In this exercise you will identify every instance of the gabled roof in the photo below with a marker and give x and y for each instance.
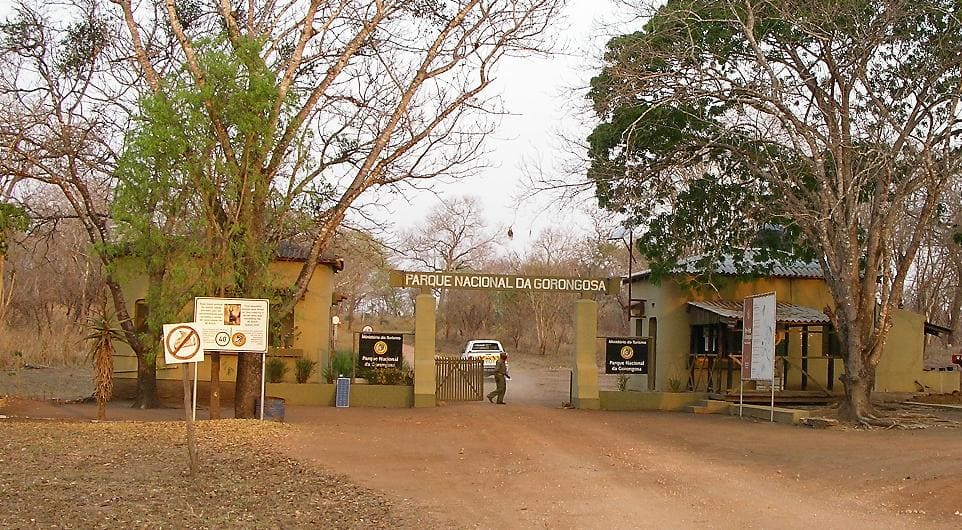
(727, 266)
(785, 313)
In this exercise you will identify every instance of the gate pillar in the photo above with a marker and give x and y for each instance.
(424, 349)
(584, 390)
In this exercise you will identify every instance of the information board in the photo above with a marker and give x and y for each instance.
(758, 338)
(233, 324)
(626, 355)
(380, 350)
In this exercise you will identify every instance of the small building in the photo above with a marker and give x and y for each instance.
(696, 332)
(307, 332)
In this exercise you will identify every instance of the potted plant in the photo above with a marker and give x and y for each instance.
(276, 369)
(303, 368)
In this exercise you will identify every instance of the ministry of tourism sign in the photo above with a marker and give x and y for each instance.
(380, 350)
(503, 282)
(626, 355)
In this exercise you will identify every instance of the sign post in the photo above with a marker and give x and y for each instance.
(235, 325)
(182, 345)
(758, 344)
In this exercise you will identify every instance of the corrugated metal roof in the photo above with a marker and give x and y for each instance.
(289, 251)
(785, 313)
(727, 266)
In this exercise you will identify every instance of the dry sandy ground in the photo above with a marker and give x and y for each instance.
(68, 474)
(531, 464)
(481, 465)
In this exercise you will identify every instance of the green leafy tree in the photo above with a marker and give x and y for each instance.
(304, 105)
(730, 125)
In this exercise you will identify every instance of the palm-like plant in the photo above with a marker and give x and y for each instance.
(101, 352)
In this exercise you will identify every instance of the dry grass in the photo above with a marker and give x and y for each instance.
(59, 343)
(132, 475)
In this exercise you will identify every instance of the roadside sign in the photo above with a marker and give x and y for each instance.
(626, 355)
(233, 324)
(380, 350)
(758, 338)
(182, 343)
(758, 344)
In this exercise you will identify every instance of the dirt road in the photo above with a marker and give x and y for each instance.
(481, 465)
(532, 464)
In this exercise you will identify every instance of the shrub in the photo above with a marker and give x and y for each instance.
(340, 365)
(623, 382)
(276, 368)
(303, 368)
(674, 384)
(389, 376)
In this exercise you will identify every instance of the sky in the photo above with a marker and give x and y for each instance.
(545, 97)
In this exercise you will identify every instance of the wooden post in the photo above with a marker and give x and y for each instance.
(214, 412)
(191, 443)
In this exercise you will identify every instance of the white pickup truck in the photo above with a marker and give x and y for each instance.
(488, 350)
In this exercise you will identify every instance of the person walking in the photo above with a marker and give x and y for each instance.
(500, 377)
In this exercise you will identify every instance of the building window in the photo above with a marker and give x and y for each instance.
(140, 315)
(286, 331)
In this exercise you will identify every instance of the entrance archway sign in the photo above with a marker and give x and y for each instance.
(584, 389)
(504, 282)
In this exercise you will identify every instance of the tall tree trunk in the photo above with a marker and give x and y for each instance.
(248, 385)
(858, 394)
(955, 310)
(146, 397)
(3, 305)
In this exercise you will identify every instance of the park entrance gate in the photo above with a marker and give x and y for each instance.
(430, 383)
(459, 379)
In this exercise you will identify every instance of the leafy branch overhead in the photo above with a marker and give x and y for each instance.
(12, 218)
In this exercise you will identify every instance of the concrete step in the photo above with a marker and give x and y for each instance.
(762, 412)
(709, 406)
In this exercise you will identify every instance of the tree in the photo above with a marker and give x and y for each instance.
(364, 281)
(935, 286)
(812, 125)
(101, 352)
(67, 97)
(551, 254)
(454, 237)
(12, 218)
(306, 105)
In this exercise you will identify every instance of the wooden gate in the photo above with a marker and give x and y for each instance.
(459, 379)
